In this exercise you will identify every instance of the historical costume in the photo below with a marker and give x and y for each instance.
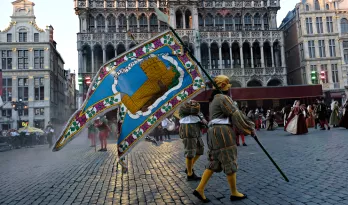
(190, 133)
(258, 119)
(221, 139)
(344, 120)
(50, 134)
(310, 118)
(334, 117)
(165, 125)
(296, 123)
(92, 132)
(104, 130)
(322, 114)
(286, 111)
(237, 132)
(270, 124)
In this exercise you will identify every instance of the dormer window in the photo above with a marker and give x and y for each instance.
(307, 7)
(23, 36)
(36, 37)
(9, 37)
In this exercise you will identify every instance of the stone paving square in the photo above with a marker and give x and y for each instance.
(316, 165)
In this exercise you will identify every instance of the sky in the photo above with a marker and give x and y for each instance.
(61, 15)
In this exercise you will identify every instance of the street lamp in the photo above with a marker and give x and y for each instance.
(19, 106)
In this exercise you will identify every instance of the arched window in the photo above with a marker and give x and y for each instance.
(100, 23)
(143, 23)
(316, 5)
(344, 25)
(153, 23)
(122, 23)
(200, 21)
(238, 22)
(307, 7)
(132, 23)
(209, 24)
(257, 22)
(111, 23)
(23, 37)
(188, 19)
(265, 22)
(179, 19)
(219, 21)
(327, 7)
(91, 23)
(247, 22)
(229, 22)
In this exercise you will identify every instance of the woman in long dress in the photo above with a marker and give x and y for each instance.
(334, 117)
(296, 123)
(310, 118)
(344, 120)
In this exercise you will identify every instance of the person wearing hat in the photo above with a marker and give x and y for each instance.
(190, 133)
(221, 140)
(104, 130)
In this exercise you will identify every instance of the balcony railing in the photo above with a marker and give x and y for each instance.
(247, 71)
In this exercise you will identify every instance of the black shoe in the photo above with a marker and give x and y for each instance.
(238, 144)
(236, 198)
(186, 170)
(245, 144)
(322, 129)
(198, 195)
(329, 128)
(104, 150)
(100, 150)
(193, 177)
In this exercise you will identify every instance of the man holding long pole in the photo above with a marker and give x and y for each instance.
(222, 140)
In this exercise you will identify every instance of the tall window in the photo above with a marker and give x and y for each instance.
(7, 112)
(265, 22)
(36, 37)
(39, 89)
(309, 25)
(323, 68)
(22, 35)
(38, 59)
(7, 89)
(327, 7)
(132, 23)
(219, 21)
(307, 7)
(238, 22)
(299, 28)
(229, 22)
(332, 47)
(143, 23)
(304, 76)
(329, 24)
(311, 49)
(100, 23)
(322, 52)
(23, 59)
(200, 21)
(320, 25)
(344, 25)
(257, 22)
(301, 52)
(91, 23)
(247, 22)
(314, 68)
(316, 5)
(111, 23)
(334, 73)
(6, 60)
(9, 37)
(153, 23)
(122, 23)
(23, 87)
(345, 51)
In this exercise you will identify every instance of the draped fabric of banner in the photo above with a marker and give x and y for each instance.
(146, 83)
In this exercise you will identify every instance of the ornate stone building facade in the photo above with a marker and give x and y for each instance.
(316, 41)
(238, 38)
(33, 71)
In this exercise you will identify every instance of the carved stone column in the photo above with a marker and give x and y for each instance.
(231, 58)
(92, 55)
(272, 56)
(220, 56)
(241, 57)
(252, 56)
(210, 64)
(80, 61)
(104, 55)
(283, 56)
(262, 56)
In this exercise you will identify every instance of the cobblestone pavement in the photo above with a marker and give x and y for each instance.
(316, 164)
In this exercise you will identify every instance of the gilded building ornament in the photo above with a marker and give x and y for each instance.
(36, 26)
(12, 23)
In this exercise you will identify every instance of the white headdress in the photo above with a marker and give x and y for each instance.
(333, 104)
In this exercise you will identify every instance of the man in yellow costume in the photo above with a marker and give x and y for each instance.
(222, 140)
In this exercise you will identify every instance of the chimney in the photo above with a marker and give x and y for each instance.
(51, 29)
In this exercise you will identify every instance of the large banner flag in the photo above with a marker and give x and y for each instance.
(146, 83)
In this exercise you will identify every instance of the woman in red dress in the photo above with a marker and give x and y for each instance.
(104, 130)
(296, 123)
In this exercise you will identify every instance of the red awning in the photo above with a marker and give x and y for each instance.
(261, 93)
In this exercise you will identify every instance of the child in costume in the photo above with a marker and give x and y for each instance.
(221, 139)
(104, 131)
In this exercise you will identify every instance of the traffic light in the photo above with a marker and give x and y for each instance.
(314, 77)
(88, 80)
(80, 80)
(322, 75)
